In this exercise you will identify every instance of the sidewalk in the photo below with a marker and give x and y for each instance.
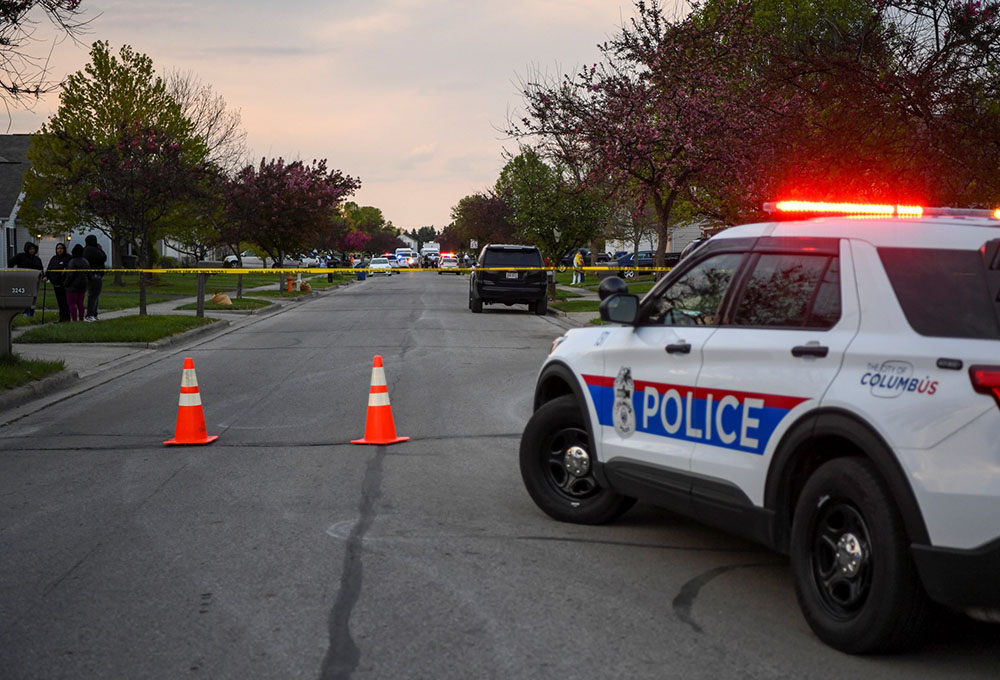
(577, 318)
(88, 358)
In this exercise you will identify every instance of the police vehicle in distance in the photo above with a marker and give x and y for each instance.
(828, 386)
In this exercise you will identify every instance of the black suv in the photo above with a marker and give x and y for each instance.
(498, 277)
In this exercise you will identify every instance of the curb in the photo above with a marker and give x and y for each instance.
(36, 390)
(218, 324)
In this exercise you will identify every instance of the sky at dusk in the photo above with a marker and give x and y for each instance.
(409, 95)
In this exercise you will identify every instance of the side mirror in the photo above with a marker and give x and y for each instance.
(620, 308)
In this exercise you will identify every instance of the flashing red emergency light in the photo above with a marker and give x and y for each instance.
(816, 208)
(845, 208)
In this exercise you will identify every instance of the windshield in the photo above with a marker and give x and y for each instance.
(380, 260)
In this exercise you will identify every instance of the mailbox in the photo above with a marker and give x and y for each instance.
(18, 290)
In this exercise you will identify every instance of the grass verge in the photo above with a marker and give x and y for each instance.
(573, 306)
(15, 371)
(280, 294)
(120, 329)
(238, 303)
(107, 302)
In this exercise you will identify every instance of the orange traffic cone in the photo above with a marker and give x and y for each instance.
(190, 417)
(379, 428)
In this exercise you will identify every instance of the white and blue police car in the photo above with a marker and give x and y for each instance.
(827, 385)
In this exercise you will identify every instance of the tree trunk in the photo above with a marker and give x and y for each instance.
(116, 261)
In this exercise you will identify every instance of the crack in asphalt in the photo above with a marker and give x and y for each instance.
(343, 655)
(684, 601)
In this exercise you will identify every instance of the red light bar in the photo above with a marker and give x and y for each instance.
(845, 208)
(817, 208)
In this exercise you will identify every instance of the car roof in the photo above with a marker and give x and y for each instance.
(510, 246)
(946, 232)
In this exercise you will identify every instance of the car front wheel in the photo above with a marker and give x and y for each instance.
(854, 578)
(557, 466)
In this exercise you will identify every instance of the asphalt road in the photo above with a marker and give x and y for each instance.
(282, 551)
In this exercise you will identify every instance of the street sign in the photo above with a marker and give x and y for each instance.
(473, 243)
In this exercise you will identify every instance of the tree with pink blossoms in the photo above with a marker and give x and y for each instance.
(670, 114)
(285, 208)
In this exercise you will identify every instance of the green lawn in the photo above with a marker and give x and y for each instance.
(273, 292)
(107, 302)
(186, 284)
(15, 371)
(238, 303)
(572, 306)
(121, 329)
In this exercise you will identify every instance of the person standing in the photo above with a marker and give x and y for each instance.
(95, 255)
(27, 260)
(55, 275)
(75, 282)
(578, 268)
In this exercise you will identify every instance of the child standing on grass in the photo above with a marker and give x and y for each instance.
(75, 282)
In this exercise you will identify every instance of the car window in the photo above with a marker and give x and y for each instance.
(512, 258)
(943, 293)
(379, 260)
(791, 290)
(694, 297)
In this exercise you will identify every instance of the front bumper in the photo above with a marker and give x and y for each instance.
(961, 578)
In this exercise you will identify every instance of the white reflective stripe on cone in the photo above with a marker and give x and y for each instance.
(378, 376)
(190, 399)
(188, 378)
(378, 399)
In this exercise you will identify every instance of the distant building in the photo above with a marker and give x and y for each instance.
(13, 235)
(681, 236)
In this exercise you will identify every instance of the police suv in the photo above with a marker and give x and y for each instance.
(828, 386)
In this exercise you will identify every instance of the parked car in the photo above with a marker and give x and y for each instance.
(644, 258)
(248, 259)
(495, 280)
(309, 260)
(380, 265)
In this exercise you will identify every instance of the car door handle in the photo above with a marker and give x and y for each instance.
(810, 351)
(679, 348)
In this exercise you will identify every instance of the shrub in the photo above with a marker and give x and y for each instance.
(168, 262)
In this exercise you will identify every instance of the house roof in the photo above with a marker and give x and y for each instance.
(13, 165)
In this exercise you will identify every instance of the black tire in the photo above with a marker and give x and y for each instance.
(439, 273)
(854, 577)
(475, 303)
(541, 307)
(551, 432)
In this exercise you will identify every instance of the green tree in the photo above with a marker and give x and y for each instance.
(545, 209)
(117, 156)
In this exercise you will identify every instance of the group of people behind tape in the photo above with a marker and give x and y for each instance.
(72, 274)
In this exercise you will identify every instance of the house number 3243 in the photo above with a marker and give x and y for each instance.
(18, 291)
